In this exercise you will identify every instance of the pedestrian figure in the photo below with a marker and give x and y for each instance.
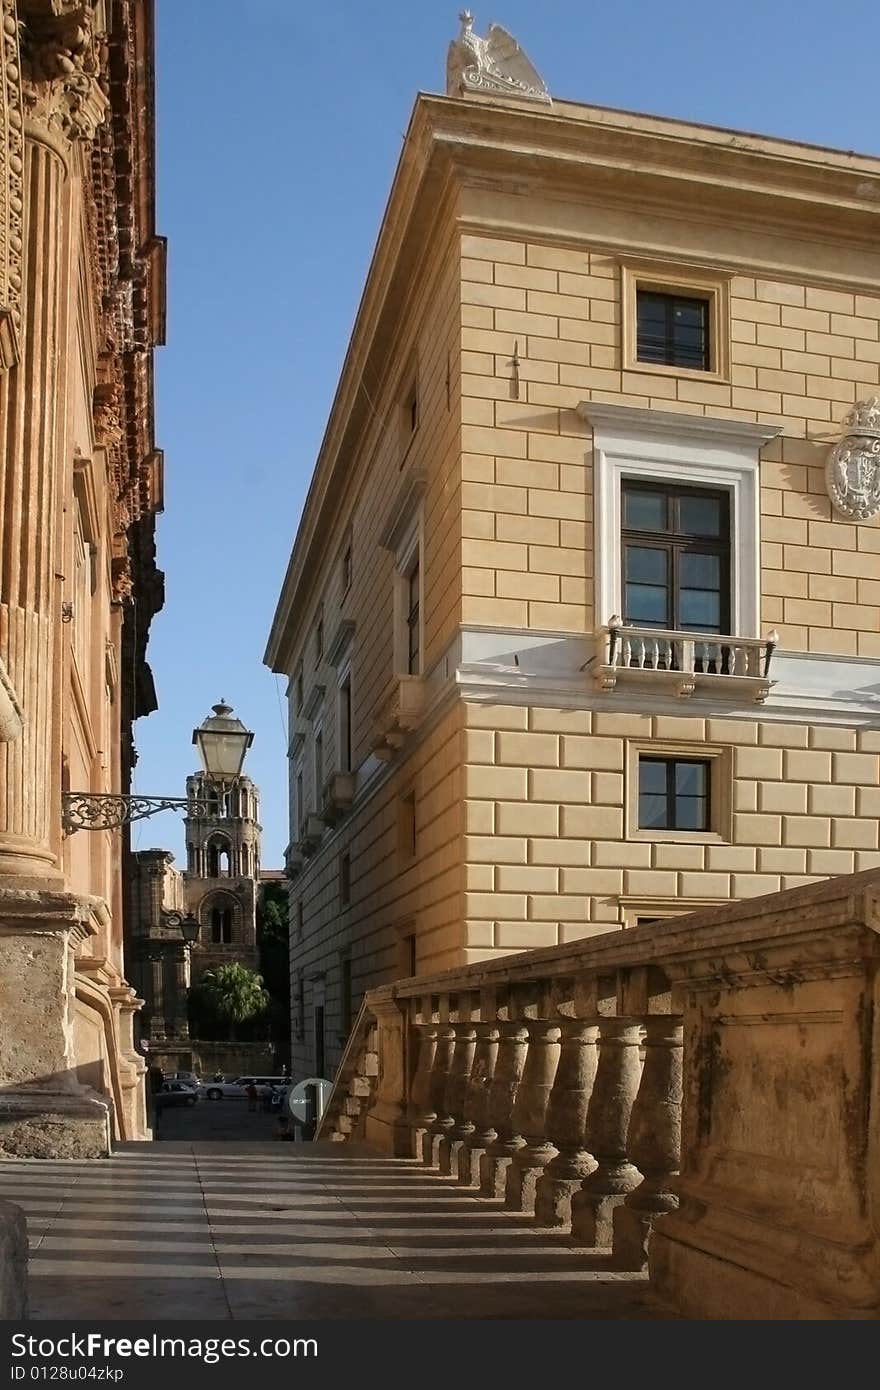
(283, 1129)
(252, 1097)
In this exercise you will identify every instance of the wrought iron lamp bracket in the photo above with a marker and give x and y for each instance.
(107, 811)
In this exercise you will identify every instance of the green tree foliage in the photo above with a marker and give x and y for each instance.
(231, 994)
(273, 934)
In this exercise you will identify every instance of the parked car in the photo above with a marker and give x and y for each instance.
(188, 1078)
(176, 1093)
(237, 1089)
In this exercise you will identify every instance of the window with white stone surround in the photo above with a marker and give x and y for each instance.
(721, 456)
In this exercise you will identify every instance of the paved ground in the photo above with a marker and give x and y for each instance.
(195, 1228)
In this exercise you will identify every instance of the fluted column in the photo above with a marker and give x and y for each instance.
(494, 1162)
(530, 1114)
(421, 1114)
(476, 1103)
(442, 1122)
(567, 1121)
(654, 1142)
(608, 1114)
(453, 1104)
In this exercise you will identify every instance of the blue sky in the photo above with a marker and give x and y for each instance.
(279, 127)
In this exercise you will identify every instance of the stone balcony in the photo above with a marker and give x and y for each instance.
(684, 663)
(697, 1097)
(398, 712)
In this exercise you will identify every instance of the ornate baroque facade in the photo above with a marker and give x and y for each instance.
(81, 309)
(578, 631)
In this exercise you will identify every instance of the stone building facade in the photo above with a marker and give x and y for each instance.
(582, 620)
(219, 886)
(81, 309)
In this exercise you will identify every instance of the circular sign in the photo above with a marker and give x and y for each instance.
(300, 1101)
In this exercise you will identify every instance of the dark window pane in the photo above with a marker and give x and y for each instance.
(646, 603)
(690, 779)
(690, 813)
(700, 571)
(700, 610)
(652, 775)
(644, 511)
(646, 565)
(672, 329)
(699, 516)
(653, 813)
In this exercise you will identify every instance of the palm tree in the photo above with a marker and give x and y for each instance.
(234, 994)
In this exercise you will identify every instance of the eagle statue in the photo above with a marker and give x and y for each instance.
(495, 64)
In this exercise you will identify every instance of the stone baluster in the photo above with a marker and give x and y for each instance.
(386, 1123)
(567, 1122)
(495, 1160)
(477, 1101)
(530, 1114)
(654, 1141)
(442, 1122)
(454, 1102)
(614, 1091)
(421, 1114)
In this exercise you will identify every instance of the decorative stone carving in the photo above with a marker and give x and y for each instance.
(61, 66)
(852, 473)
(11, 174)
(495, 64)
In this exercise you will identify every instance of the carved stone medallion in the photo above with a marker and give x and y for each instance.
(852, 473)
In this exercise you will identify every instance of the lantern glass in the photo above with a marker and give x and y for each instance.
(189, 929)
(222, 741)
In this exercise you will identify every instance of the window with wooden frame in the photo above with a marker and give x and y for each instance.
(674, 793)
(345, 879)
(675, 551)
(413, 619)
(676, 320)
(672, 330)
(679, 792)
(346, 742)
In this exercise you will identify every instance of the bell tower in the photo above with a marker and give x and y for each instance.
(223, 858)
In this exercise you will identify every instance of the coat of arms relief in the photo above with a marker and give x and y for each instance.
(852, 473)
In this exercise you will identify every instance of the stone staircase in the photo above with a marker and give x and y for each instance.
(354, 1087)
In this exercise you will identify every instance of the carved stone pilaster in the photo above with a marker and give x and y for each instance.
(608, 1114)
(11, 186)
(654, 1142)
(61, 63)
(567, 1122)
(530, 1115)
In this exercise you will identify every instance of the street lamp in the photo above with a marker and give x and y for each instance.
(222, 741)
(189, 926)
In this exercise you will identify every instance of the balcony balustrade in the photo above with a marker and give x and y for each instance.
(685, 663)
(697, 1096)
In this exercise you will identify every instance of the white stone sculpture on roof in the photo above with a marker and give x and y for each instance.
(495, 64)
